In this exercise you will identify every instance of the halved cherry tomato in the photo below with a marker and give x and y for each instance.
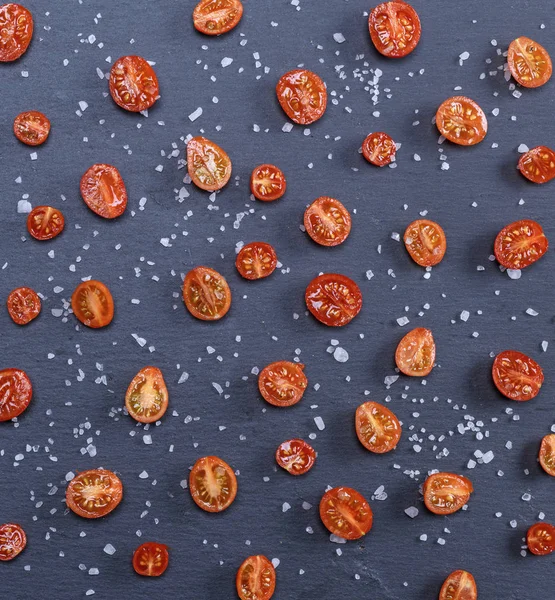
(461, 121)
(541, 539)
(446, 493)
(529, 63)
(45, 222)
(268, 183)
(302, 95)
(425, 242)
(346, 513)
(333, 299)
(146, 398)
(520, 244)
(16, 392)
(282, 383)
(379, 148)
(103, 191)
(214, 17)
(378, 429)
(151, 559)
(92, 304)
(516, 375)
(256, 260)
(327, 221)
(209, 165)
(23, 305)
(12, 541)
(212, 484)
(94, 493)
(206, 294)
(416, 353)
(547, 454)
(31, 127)
(256, 579)
(538, 164)
(460, 585)
(296, 456)
(394, 28)
(16, 31)
(133, 84)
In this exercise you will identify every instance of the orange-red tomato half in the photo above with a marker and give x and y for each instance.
(416, 353)
(517, 376)
(296, 456)
(520, 244)
(379, 149)
(302, 96)
(282, 383)
(346, 513)
(94, 493)
(92, 304)
(256, 260)
(446, 493)
(45, 222)
(103, 191)
(541, 539)
(256, 579)
(209, 165)
(12, 541)
(146, 398)
(425, 242)
(394, 28)
(327, 221)
(538, 164)
(16, 392)
(151, 559)
(378, 429)
(16, 31)
(333, 299)
(529, 62)
(547, 454)
(214, 17)
(31, 127)
(212, 484)
(23, 305)
(268, 183)
(133, 84)
(461, 121)
(460, 585)
(206, 294)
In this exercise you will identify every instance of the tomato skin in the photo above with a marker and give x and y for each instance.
(16, 23)
(546, 454)
(377, 428)
(103, 191)
(268, 183)
(517, 376)
(12, 541)
(340, 500)
(459, 585)
(541, 539)
(416, 353)
(94, 493)
(206, 473)
(16, 392)
(214, 17)
(256, 260)
(538, 164)
(425, 242)
(520, 244)
(394, 28)
(522, 53)
(45, 222)
(296, 456)
(282, 383)
(379, 149)
(256, 579)
(209, 165)
(23, 305)
(31, 128)
(461, 121)
(151, 559)
(333, 299)
(327, 221)
(446, 493)
(146, 398)
(92, 304)
(206, 294)
(302, 96)
(133, 84)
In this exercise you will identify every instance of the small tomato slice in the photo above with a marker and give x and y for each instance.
(206, 294)
(394, 28)
(133, 84)
(378, 429)
(517, 376)
(425, 242)
(256, 579)
(538, 164)
(446, 493)
(94, 493)
(282, 383)
(23, 305)
(256, 260)
(103, 191)
(461, 121)
(12, 541)
(379, 149)
(416, 353)
(214, 17)
(460, 585)
(146, 398)
(302, 95)
(541, 539)
(346, 513)
(16, 31)
(296, 456)
(268, 183)
(520, 244)
(547, 454)
(151, 559)
(333, 299)
(209, 165)
(45, 222)
(92, 304)
(529, 62)
(16, 392)
(212, 484)
(31, 127)
(327, 221)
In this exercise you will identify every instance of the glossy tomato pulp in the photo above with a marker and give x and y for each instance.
(460, 585)
(16, 31)
(446, 493)
(103, 191)
(214, 17)
(416, 353)
(146, 398)
(256, 579)
(379, 149)
(377, 428)
(296, 456)
(327, 221)
(92, 304)
(541, 539)
(282, 383)
(268, 183)
(94, 493)
(16, 392)
(461, 121)
(206, 294)
(12, 541)
(23, 305)
(151, 559)
(31, 128)
(133, 84)
(529, 62)
(256, 260)
(346, 513)
(520, 244)
(538, 164)
(425, 242)
(45, 222)
(333, 299)
(547, 454)
(212, 484)
(209, 165)
(394, 28)
(302, 96)
(517, 376)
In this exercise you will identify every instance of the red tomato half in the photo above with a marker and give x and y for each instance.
(425, 242)
(23, 305)
(146, 398)
(416, 353)
(212, 484)
(282, 383)
(16, 392)
(256, 260)
(520, 244)
(31, 128)
(214, 17)
(346, 513)
(256, 579)
(517, 376)
(538, 164)
(333, 299)
(12, 541)
(94, 493)
(296, 456)
(327, 221)
(394, 28)
(529, 63)
(103, 191)
(209, 165)
(541, 539)
(379, 149)
(206, 294)
(151, 559)
(302, 95)
(16, 31)
(446, 493)
(461, 121)
(460, 585)
(378, 429)
(547, 454)
(92, 304)
(133, 84)
(45, 222)
(268, 183)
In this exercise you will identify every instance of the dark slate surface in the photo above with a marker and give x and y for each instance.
(390, 563)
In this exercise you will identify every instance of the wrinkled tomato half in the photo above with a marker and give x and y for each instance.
(256, 579)
(206, 294)
(547, 454)
(146, 398)
(133, 84)
(94, 493)
(394, 28)
(31, 128)
(282, 383)
(214, 17)
(16, 31)
(268, 183)
(460, 585)
(538, 164)
(92, 304)
(209, 165)
(16, 392)
(212, 484)
(23, 305)
(302, 95)
(520, 244)
(541, 539)
(425, 242)
(45, 222)
(529, 62)
(327, 221)
(416, 353)
(378, 429)
(296, 456)
(256, 260)
(103, 191)
(379, 149)
(12, 541)
(516, 375)
(333, 299)
(346, 513)
(151, 559)
(446, 493)
(461, 121)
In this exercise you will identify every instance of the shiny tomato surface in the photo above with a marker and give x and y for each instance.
(23, 305)
(446, 493)
(146, 398)
(212, 484)
(45, 222)
(16, 31)
(94, 493)
(529, 62)
(333, 299)
(12, 541)
(92, 304)
(377, 427)
(296, 456)
(520, 244)
(517, 376)
(346, 513)
(302, 96)
(31, 127)
(282, 383)
(206, 294)
(256, 579)
(103, 191)
(133, 84)
(461, 121)
(416, 353)
(151, 559)
(214, 17)
(327, 221)
(394, 28)
(16, 392)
